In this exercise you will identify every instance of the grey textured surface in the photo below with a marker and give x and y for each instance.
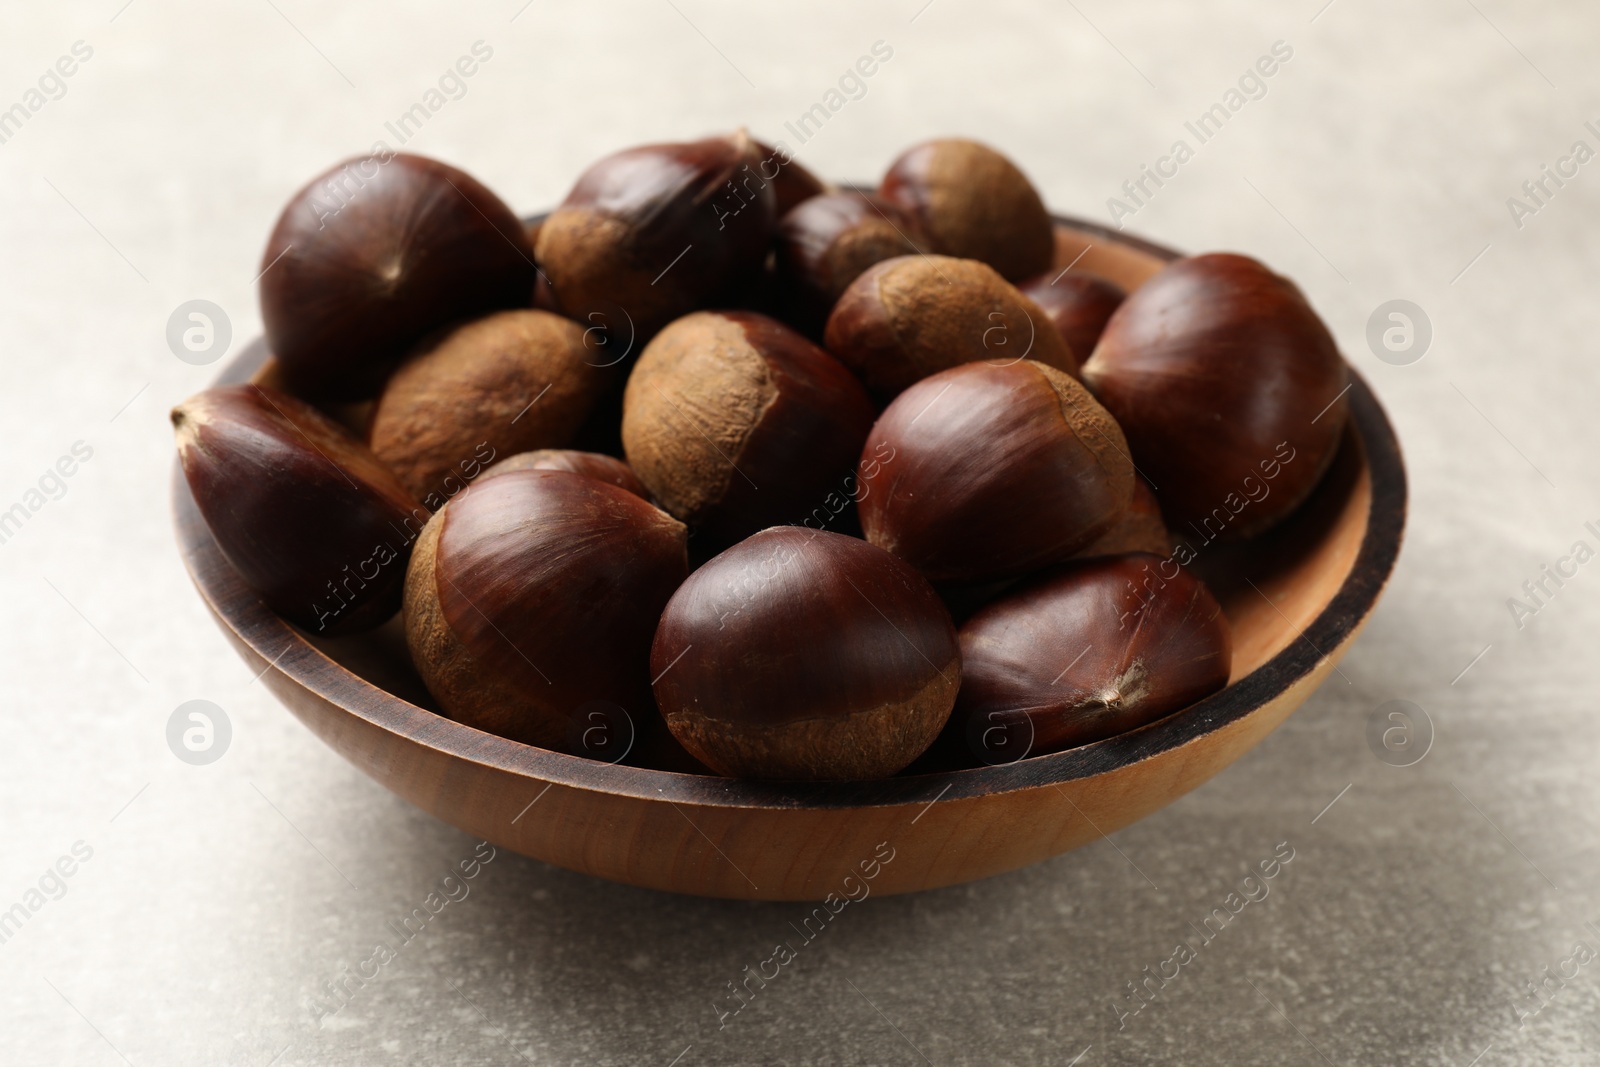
(1377, 166)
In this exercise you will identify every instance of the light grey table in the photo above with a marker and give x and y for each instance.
(1376, 164)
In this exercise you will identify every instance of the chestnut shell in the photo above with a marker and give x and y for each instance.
(1140, 528)
(659, 230)
(973, 203)
(372, 255)
(792, 183)
(590, 464)
(911, 316)
(1225, 382)
(299, 507)
(985, 472)
(805, 654)
(736, 422)
(1085, 652)
(499, 385)
(535, 594)
(1080, 304)
(827, 242)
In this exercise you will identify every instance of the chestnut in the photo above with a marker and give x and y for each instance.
(354, 415)
(908, 317)
(824, 244)
(507, 383)
(973, 203)
(804, 654)
(374, 254)
(531, 601)
(1085, 652)
(1080, 305)
(735, 422)
(985, 472)
(660, 229)
(308, 516)
(1139, 528)
(591, 464)
(1229, 388)
(544, 297)
(791, 182)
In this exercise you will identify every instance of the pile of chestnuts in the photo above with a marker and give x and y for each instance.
(723, 469)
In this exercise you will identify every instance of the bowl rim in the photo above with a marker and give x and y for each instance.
(288, 652)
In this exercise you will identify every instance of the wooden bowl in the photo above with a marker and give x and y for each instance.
(1297, 597)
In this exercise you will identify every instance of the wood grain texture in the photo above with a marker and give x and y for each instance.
(1297, 599)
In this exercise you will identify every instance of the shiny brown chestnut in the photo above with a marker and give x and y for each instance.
(974, 203)
(735, 422)
(590, 464)
(308, 516)
(376, 253)
(908, 317)
(1229, 388)
(791, 182)
(1086, 652)
(986, 472)
(1080, 304)
(1139, 528)
(803, 654)
(531, 602)
(507, 383)
(354, 415)
(824, 244)
(659, 230)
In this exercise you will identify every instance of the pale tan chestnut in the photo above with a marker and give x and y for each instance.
(973, 202)
(908, 317)
(735, 422)
(512, 382)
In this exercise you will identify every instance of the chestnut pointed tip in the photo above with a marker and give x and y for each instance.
(190, 417)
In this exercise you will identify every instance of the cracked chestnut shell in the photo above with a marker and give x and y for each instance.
(974, 203)
(827, 242)
(1086, 652)
(590, 464)
(313, 522)
(1080, 304)
(660, 229)
(908, 317)
(1229, 388)
(374, 254)
(735, 422)
(507, 383)
(987, 472)
(534, 595)
(802, 654)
